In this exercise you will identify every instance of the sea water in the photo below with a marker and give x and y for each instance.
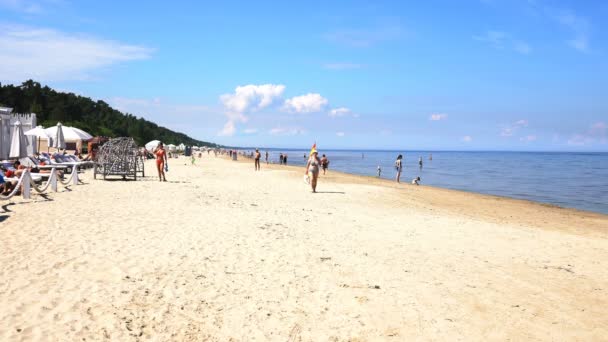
(575, 180)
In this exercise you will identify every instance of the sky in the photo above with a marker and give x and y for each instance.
(515, 75)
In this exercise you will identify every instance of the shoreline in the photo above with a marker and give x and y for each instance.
(461, 204)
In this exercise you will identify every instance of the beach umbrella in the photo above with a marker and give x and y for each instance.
(171, 147)
(181, 147)
(18, 143)
(39, 132)
(57, 136)
(70, 134)
(152, 145)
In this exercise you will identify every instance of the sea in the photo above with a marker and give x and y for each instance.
(567, 179)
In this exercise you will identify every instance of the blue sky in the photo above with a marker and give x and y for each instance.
(456, 75)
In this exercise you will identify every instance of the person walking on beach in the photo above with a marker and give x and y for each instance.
(312, 169)
(266, 157)
(281, 159)
(324, 163)
(258, 155)
(285, 159)
(399, 166)
(161, 161)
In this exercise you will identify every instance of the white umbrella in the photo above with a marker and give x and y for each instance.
(57, 134)
(70, 134)
(181, 147)
(39, 132)
(171, 147)
(152, 145)
(18, 143)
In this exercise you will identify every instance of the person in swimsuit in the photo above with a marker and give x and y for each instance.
(312, 169)
(324, 163)
(399, 166)
(161, 160)
(258, 155)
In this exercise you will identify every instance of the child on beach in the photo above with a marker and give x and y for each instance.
(416, 181)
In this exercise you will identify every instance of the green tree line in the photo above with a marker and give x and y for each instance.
(95, 117)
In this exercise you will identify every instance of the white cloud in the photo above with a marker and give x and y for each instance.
(228, 130)
(286, 131)
(251, 96)
(467, 138)
(342, 66)
(247, 98)
(340, 134)
(597, 133)
(438, 117)
(50, 55)
(501, 40)
(337, 112)
(309, 103)
(510, 129)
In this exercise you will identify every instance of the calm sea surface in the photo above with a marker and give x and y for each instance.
(576, 180)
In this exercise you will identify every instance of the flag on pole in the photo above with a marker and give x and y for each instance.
(313, 148)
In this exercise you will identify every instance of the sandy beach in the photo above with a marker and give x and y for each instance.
(223, 253)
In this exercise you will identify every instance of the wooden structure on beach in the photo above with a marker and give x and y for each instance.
(119, 157)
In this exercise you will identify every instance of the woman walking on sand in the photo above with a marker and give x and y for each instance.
(161, 161)
(312, 169)
(399, 166)
(258, 155)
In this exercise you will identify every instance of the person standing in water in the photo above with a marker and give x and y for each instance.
(312, 169)
(399, 167)
(161, 161)
(285, 158)
(258, 155)
(267, 157)
(379, 171)
(431, 156)
(420, 161)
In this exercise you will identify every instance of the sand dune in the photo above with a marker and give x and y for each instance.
(222, 253)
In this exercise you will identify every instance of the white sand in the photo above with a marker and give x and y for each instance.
(222, 253)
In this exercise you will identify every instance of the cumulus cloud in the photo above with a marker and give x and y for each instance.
(340, 134)
(245, 99)
(49, 55)
(438, 117)
(467, 138)
(309, 103)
